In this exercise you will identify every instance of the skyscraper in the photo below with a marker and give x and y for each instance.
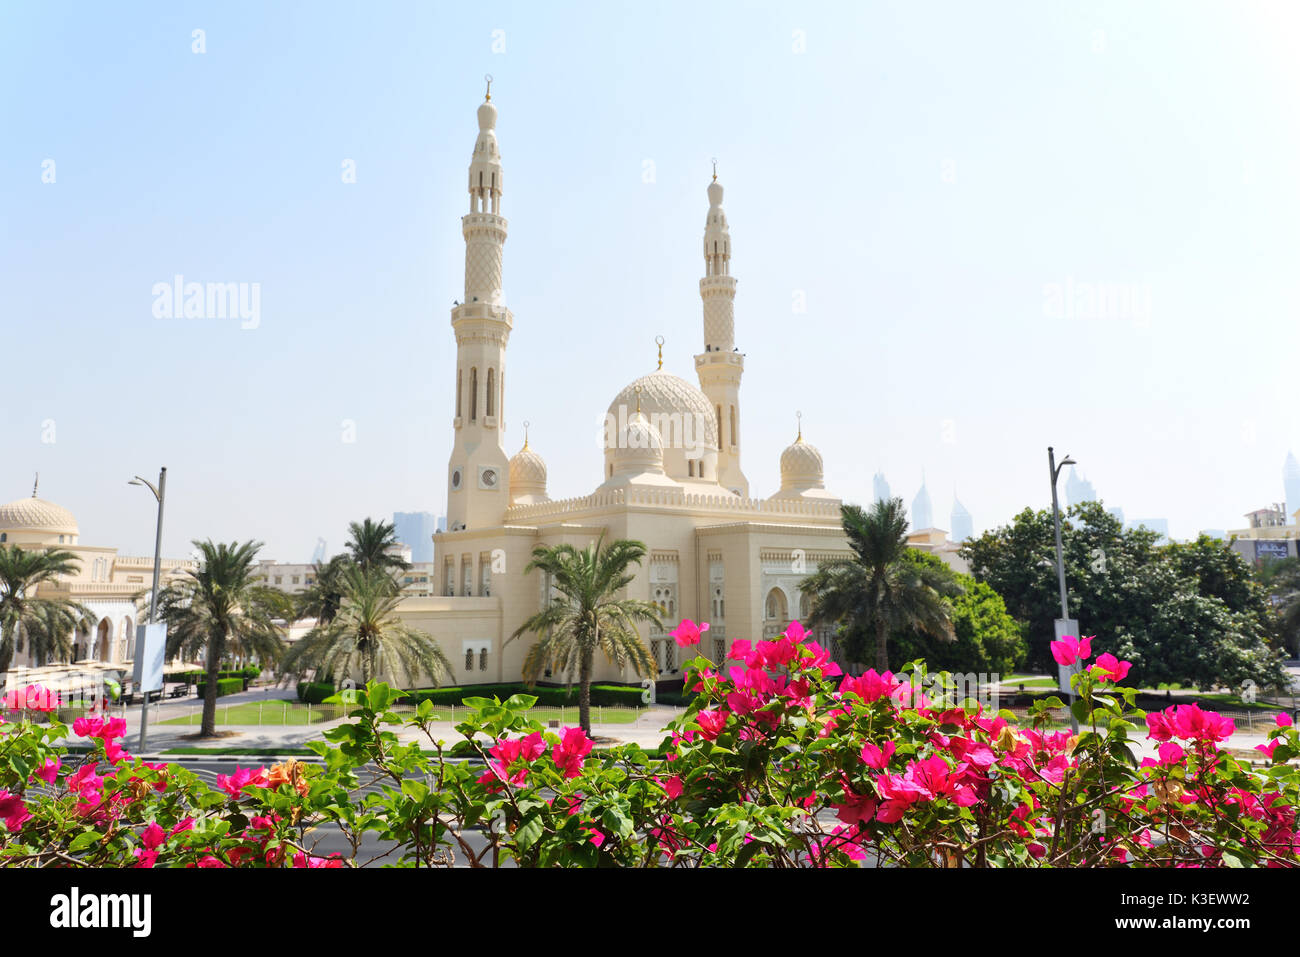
(415, 531)
(1291, 484)
(1078, 490)
(962, 526)
(881, 487)
(921, 512)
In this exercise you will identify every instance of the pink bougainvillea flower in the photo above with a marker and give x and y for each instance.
(1171, 754)
(84, 781)
(876, 757)
(870, 686)
(234, 784)
(711, 723)
(1070, 649)
(1283, 719)
(674, 787)
(1189, 721)
(1158, 726)
(740, 650)
(49, 771)
(688, 633)
(571, 750)
(517, 752)
(114, 753)
(211, 861)
(1269, 748)
(306, 860)
(145, 858)
(821, 658)
(185, 824)
(14, 811)
(1110, 668)
(152, 836)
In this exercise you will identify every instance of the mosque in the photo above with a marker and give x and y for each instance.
(673, 478)
(105, 583)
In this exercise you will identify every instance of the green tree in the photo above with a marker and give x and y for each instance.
(880, 590)
(23, 611)
(367, 634)
(1185, 613)
(221, 609)
(987, 640)
(586, 615)
(323, 597)
(369, 543)
(1281, 581)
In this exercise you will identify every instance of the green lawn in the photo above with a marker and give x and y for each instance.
(282, 713)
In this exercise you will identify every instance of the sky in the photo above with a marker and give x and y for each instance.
(961, 233)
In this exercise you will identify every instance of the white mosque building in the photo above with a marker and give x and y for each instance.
(672, 477)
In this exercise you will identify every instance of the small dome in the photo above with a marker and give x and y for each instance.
(487, 116)
(640, 442)
(37, 515)
(715, 193)
(527, 477)
(801, 466)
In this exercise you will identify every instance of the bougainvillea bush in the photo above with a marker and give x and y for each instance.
(781, 761)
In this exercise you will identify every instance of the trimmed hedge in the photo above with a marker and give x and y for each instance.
(225, 686)
(602, 695)
(314, 692)
(246, 675)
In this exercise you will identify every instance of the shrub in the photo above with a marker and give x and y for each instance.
(314, 692)
(225, 686)
(550, 696)
(776, 763)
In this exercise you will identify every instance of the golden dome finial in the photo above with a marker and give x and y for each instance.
(36, 484)
(659, 341)
(799, 418)
(715, 169)
(525, 448)
(488, 78)
(637, 390)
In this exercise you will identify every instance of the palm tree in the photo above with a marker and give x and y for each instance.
(585, 615)
(1281, 578)
(369, 544)
(367, 633)
(322, 598)
(49, 632)
(21, 575)
(878, 590)
(222, 609)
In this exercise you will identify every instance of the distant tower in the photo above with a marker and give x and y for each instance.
(720, 366)
(415, 531)
(880, 487)
(962, 526)
(318, 555)
(1118, 513)
(1291, 484)
(477, 472)
(1078, 490)
(921, 514)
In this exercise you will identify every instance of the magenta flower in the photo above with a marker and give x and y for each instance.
(234, 784)
(876, 757)
(1070, 649)
(1283, 719)
(674, 787)
(1110, 668)
(711, 723)
(49, 771)
(145, 858)
(571, 750)
(1171, 754)
(152, 836)
(870, 686)
(13, 810)
(688, 633)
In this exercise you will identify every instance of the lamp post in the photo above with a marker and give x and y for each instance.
(1055, 469)
(160, 493)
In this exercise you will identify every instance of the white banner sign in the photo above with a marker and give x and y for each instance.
(150, 652)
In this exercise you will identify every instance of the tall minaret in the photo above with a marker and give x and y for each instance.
(720, 366)
(477, 474)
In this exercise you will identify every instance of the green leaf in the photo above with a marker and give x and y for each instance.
(520, 702)
(84, 840)
(529, 832)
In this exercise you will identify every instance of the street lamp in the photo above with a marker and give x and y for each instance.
(1063, 623)
(160, 493)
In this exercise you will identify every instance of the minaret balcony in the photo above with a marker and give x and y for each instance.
(719, 358)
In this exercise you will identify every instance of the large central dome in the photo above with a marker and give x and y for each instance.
(679, 411)
(37, 515)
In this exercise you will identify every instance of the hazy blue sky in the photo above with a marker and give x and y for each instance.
(922, 174)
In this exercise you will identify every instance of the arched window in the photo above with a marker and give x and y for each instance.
(473, 394)
(735, 440)
(460, 385)
(491, 391)
(469, 659)
(690, 467)
(776, 606)
(718, 408)
(482, 660)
